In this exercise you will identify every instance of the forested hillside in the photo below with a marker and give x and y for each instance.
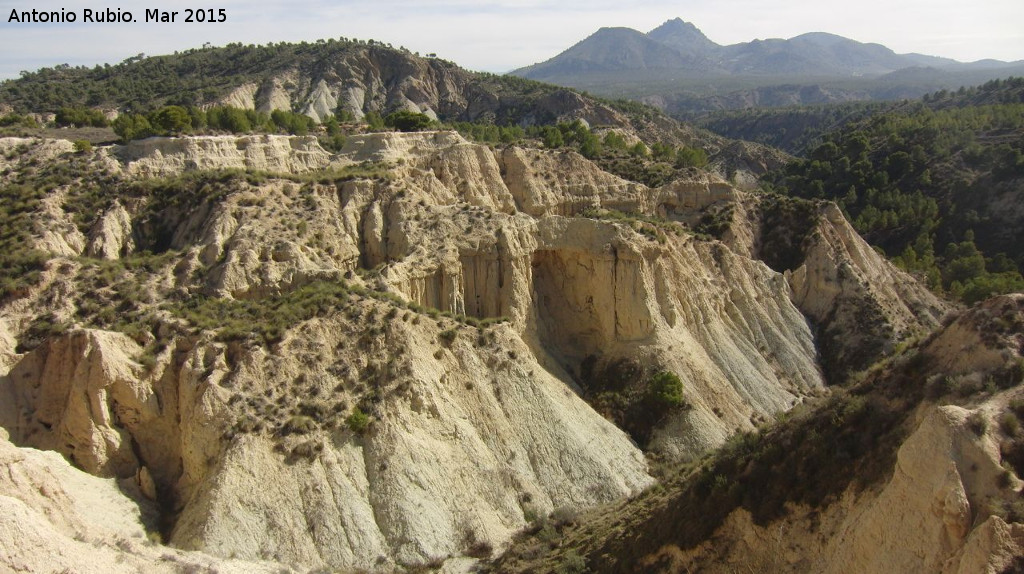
(284, 76)
(936, 184)
(800, 129)
(793, 129)
(186, 78)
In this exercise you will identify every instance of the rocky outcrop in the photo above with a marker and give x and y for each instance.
(932, 515)
(254, 443)
(487, 440)
(86, 396)
(565, 184)
(166, 156)
(977, 341)
(862, 304)
(357, 78)
(935, 514)
(54, 516)
(940, 494)
(14, 151)
(71, 392)
(522, 444)
(111, 236)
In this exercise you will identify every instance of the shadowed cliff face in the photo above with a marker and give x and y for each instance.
(387, 356)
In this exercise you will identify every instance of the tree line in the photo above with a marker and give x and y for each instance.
(922, 182)
(178, 120)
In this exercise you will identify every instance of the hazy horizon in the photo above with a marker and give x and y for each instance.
(499, 36)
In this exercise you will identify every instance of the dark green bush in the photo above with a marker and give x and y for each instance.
(358, 421)
(667, 389)
(407, 121)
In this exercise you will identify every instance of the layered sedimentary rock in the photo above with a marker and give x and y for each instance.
(250, 444)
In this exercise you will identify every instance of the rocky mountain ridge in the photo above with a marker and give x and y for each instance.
(350, 79)
(678, 69)
(391, 356)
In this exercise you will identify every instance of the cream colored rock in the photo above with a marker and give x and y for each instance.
(965, 346)
(243, 97)
(864, 304)
(565, 183)
(73, 395)
(460, 459)
(167, 156)
(932, 515)
(54, 517)
(545, 273)
(321, 102)
(14, 151)
(59, 234)
(992, 547)
(111, 235)
(463, 455)
(314, 237)
(923, 516)
(85, 396)
(273, 94)
(469, 436)
(391, 147)
(8, 346)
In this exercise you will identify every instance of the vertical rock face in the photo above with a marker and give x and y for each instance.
(85, 396)
(53, 515)
(564, 184)
(75, 391)
(166, 156)
(255, 443)
(475, 443)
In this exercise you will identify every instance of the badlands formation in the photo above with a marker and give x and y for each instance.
(264, 355)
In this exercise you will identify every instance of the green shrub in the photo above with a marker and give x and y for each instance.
(448, 336)
(564, 515)
(82, 146)
(407, 121)
(358, 421)
(667, 389)
(548, 534)
(530, 515)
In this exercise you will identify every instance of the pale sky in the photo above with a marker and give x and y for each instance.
(501, 35)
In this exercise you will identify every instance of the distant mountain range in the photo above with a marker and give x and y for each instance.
(677, 66)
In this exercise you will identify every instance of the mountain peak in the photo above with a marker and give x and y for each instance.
(676, 24)
(682, 35)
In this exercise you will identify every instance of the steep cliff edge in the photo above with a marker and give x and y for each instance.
(915, 468)
(380, 357)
